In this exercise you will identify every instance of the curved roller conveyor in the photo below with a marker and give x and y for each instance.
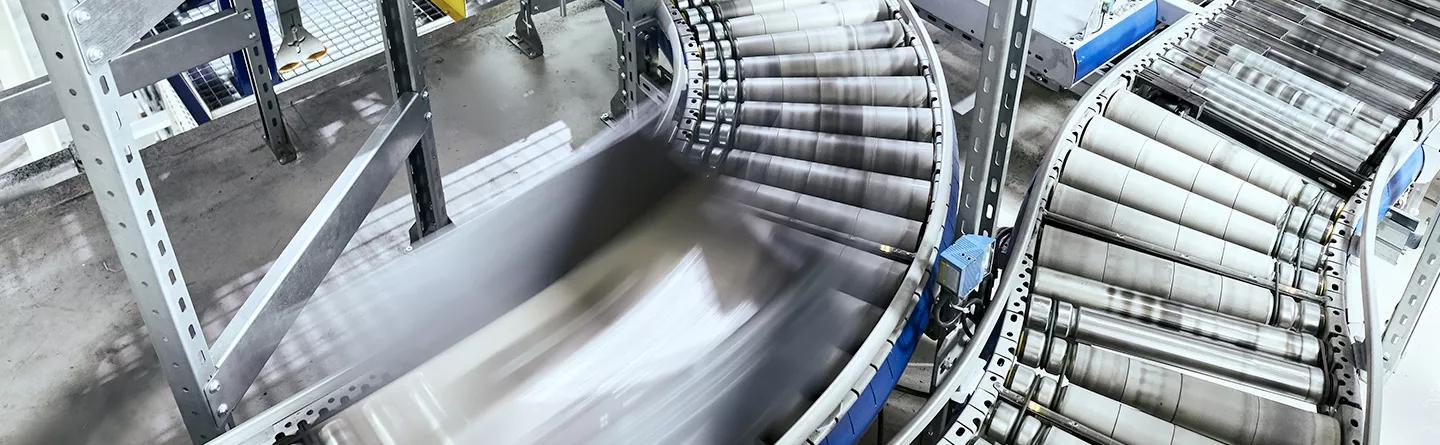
(1177, 275)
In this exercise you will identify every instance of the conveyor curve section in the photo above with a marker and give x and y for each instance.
(827, 117)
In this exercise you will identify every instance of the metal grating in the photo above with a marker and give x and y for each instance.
(346, 26)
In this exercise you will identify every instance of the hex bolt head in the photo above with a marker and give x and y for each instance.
(425, 94)
(222, 409)
(94, 55)
(212, 386)
(428, 115)
(80, 15)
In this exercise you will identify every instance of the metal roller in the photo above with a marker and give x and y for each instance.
(727, 9)
(897, 91)
(872, 62)
(1105, 415)
(1200, 143)
(1335, 47)
(1090, 258)
(1321, 30)
(869, 224)
(1390, 94)
(1237, 58)
(1221, 412)
(1309, 53)
(911, 124)
(888, 156)
(1395, 22)
(895, 195)
(849, 12)
(1134, 150)
(1238, 332)
(1088, 326)
(1008, 424)
(1112, 181)
(1294, 128)
(887, 34)
(1262, 88)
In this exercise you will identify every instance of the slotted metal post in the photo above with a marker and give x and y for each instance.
(89, 98)
(987, 151)
(255, 69)
(1401, 324)
(407, 75)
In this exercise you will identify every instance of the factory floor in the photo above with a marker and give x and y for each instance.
(77, 364)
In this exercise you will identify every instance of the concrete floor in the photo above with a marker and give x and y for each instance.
(79, 367)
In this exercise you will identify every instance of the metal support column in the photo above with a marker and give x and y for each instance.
(258, 69)
(407, 75)
(1007, 38)
(1412, 303)
(78, 44)
(623, 19)
(526, 37)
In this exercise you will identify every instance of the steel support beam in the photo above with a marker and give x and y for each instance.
(265, 317)
(175, 50)
(404, 136)
(89, 98)
(1412, 303)
(1007, 37)
(26, 107)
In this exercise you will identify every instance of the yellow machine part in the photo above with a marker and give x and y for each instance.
(453, 8)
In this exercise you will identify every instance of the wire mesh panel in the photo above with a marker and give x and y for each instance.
(346, 26)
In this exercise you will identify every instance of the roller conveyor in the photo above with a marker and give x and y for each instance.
(1178, 273)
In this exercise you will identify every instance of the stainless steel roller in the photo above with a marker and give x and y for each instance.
(1157, 123)
(1239, 332)
(1217, 359)
(897, 91)
(911, 124)
(1390, 94)
(1105, 415)
(1255, 69)
(875, 226)
(895, 195)
(1224, 413)
(1090, 258)
(872, 62)
(727, 9)
(1109, 180)
(888, 156)
(887, 34)
(1135, 150)
(848, 12)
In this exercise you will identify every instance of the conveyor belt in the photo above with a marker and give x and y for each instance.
(1171, 284)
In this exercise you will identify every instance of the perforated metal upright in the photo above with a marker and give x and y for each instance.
(78, 42)
(986, 153)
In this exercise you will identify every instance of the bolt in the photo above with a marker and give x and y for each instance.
(94, 55)
(248, 15)
(428, 115)
(425, 94)
(212, 386)
(80, 15)
(251, 36)
(222, 409)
